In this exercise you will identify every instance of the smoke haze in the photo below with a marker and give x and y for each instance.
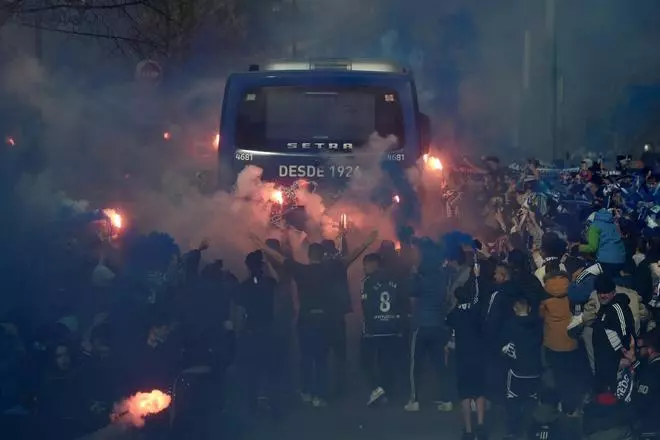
(101, 134)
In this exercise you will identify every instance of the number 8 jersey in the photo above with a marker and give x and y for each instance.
(382, 310)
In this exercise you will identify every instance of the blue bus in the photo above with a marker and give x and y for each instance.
(308, 120)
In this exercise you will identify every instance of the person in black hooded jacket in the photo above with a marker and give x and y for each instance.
(497, 310)
(612, 331)
(522, 339)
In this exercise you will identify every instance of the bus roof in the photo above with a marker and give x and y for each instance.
(334, 64)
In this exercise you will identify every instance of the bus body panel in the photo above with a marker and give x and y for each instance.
(331, 167)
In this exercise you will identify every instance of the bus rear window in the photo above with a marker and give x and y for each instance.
(273, 118)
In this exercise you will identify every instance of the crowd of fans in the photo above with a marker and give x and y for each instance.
(531, 317)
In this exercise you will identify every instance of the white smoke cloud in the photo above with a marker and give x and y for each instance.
(95, 148)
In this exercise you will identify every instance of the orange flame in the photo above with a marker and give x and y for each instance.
(216, 141)
(167, 135)
(396, 199)
(277, 197)
(432, 162)
(137, 407)
(115, 218)
(397, 246)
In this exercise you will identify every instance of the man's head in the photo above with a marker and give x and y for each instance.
(650, 346)
(521, 307)
(552, 246)
(329, 248)
(502, 274)
(315, 252)
(62, 357)
(605, 288)
(255, 262)
(371, 263)
(456, 257)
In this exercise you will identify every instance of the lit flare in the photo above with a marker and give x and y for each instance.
(396, 199)
(343, 221)
(114, 217)
(216, 141)
(10, 141)
(167, 135)
(432, 162)
(136, 408)
(277, 197)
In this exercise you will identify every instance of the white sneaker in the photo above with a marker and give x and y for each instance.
(411, 407)
(306, 398)
(445, 406)
(376, 395)
(473, 406)
(317, 402)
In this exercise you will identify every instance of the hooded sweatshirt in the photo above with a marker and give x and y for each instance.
(497, 311)
(604, 239)
(556, 313)
(523, 335)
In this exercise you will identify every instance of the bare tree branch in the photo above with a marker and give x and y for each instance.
(8, 10)
(165, 28)
(83, 34)
(78, 6)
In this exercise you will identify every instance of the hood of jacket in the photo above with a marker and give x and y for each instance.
(610, 246)
(603, 215)
(557, 286)
(621, 299)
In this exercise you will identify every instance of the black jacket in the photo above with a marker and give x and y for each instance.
(612, 330)
(496, 311)
(525, 334)
(532, 289)
(466, 323)
(643, 280)
(646, 400)
(613, 327)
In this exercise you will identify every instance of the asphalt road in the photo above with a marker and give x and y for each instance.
(350, 419)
